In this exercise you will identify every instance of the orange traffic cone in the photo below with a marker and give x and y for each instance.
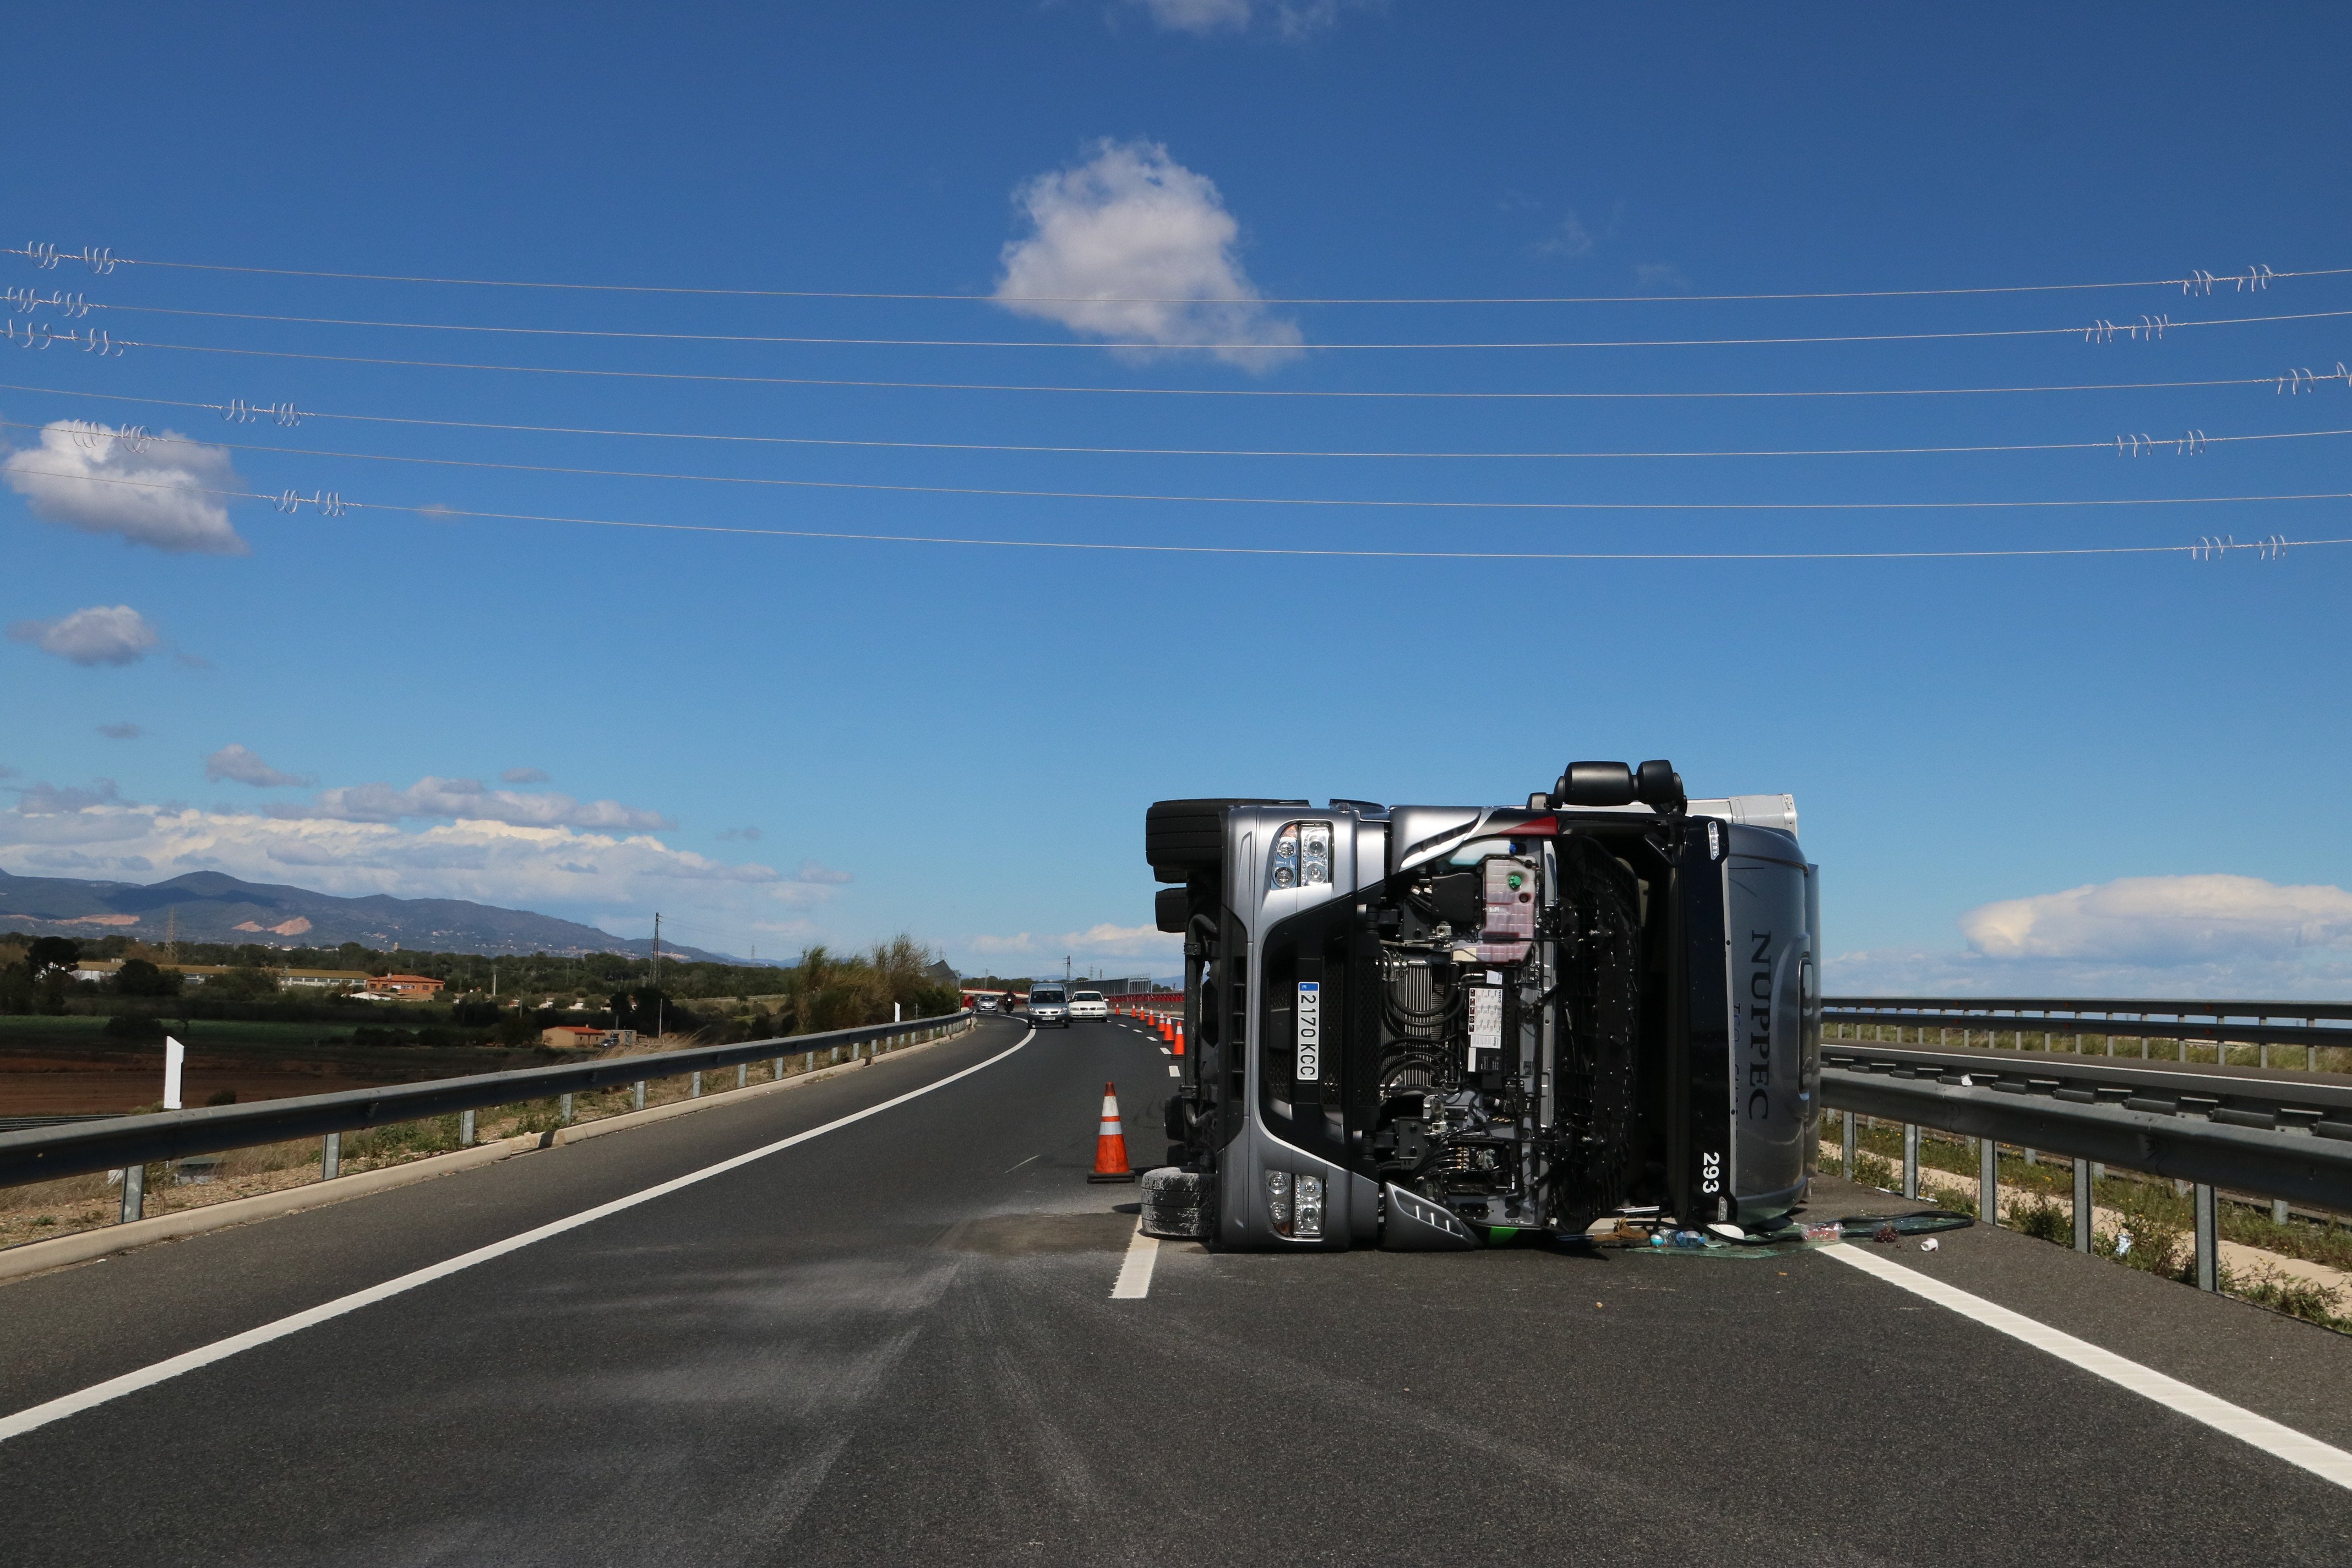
(1110, 1143)
(1180, 1039)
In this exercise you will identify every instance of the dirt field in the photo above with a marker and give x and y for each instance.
(50, 1084)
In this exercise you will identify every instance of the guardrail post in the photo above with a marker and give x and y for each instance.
(743, 1074)
(1846, 1152)
(464, 1129)
(563, 1116)
(1911, 1160)
(134, 1193)
(810, 1064)
(1987, 1182)
(694, 1090)
(2209, 1239)
(2278, 1211)
(330, 1157)
(637, 1095)
(777, 1073)
(2082, 1206)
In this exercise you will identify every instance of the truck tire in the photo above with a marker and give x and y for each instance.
(1183, 835)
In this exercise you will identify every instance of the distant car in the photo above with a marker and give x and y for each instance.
(1049, 1005)
(1089, 1004)
(983, 1003)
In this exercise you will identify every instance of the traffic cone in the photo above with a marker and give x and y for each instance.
(1110, 1143)
(1180, 1039)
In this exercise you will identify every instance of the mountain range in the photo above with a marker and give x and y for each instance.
(207, 906)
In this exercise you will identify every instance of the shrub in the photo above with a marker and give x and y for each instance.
(2042, 1220)
(1872, 1171)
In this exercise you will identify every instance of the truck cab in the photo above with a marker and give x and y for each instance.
(1424, 1027)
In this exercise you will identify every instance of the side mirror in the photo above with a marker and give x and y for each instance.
(1596, 784)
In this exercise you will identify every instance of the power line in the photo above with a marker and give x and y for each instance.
(2147, 329)
(2196, 281)
(336, 504)
(2141, 444)
(2203, 548)
(2288, 380)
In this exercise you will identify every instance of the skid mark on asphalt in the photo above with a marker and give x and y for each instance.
(38, 1415)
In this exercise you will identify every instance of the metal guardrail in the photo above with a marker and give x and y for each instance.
(2135, 1008)
(2218, 1023)
(2281, 1135)
(130, 1143)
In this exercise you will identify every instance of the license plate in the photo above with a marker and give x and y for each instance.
(1310, 1030)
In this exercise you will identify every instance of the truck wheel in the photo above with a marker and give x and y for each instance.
(1183, 835)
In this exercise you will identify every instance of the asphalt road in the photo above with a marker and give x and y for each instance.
(894, 1343)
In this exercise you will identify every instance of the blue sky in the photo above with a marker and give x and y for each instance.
(2058, 771)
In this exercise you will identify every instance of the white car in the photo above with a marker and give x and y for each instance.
(1089, 1004)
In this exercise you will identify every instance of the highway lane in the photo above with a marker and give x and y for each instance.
(896, 1343)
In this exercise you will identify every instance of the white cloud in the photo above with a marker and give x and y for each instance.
(51, 800)
(1569, 237)
(493, 862)
(469, 799)
(103, 633)
(1663, 277)
(1133, 246)
(2206, 936)
(86, 476)
(1146, 944)
(234, 765)
(1199, 16)
(524, 776)
(811, 871)
(731, 835)
(2163, 921)
(1293, 19)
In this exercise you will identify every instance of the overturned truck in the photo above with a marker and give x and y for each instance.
(1424, 1026)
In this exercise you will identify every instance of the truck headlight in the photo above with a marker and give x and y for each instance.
(1316, 852)
(1309, 1222)
(1302, 856)
(1278, 1199)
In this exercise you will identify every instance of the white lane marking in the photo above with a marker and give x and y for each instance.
(97, 1394)
(1134, 1283)
(2282, 1442)
(1166, 1052)
(1175, 1072)
(1011, 1169)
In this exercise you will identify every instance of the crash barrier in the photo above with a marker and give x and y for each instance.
(2286, 1137)
(2266, 1026)
(131, 1143)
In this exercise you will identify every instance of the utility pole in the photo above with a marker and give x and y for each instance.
(172, 938)
(1065, 969)
(657, 996)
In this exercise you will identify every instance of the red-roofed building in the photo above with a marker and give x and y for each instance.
(406, 987)
(585, 1037)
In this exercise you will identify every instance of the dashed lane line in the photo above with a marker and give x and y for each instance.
(1134, 1283)
(113, 1388)
(2281, 1441)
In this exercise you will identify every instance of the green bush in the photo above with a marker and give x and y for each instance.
(2042, 1220)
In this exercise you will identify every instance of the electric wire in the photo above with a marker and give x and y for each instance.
(2131, 444)
(2206, 548)
(2149, 328)
(1384, 503)
(2253, 279)
(2282, 382)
